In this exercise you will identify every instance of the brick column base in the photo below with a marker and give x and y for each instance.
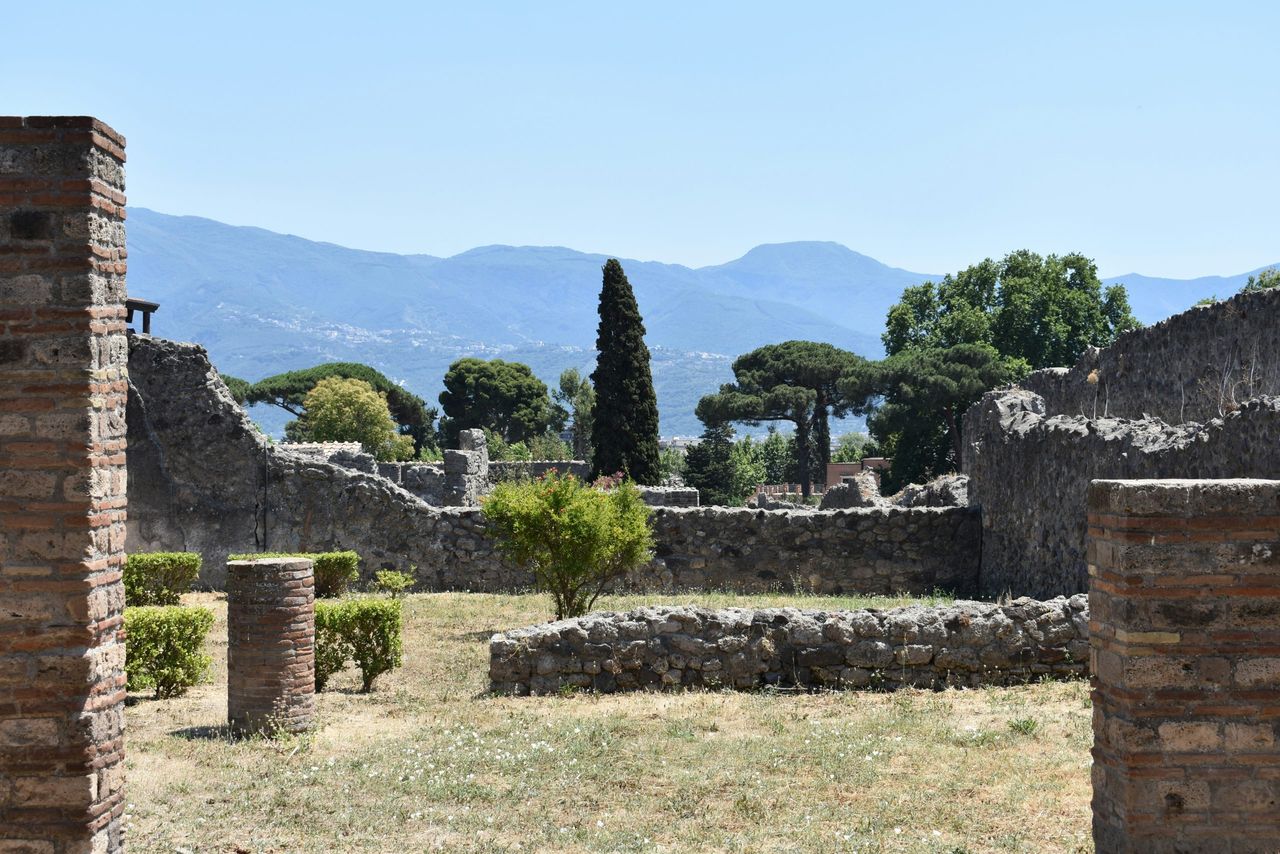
(271, 631)
(1184, 606)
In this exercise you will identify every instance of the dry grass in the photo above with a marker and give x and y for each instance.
(428, 762)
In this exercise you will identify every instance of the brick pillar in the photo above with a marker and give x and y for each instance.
(271, 634)
(1184, 602)
(63, 386)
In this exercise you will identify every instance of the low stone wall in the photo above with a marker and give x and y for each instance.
(868, 550)
(965, 644)
(670, 496)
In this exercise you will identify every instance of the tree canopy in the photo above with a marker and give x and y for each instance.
(504, 397)
(1043, 310)
(289, 390)
(1265, 280)
(796, 381)
(574, 399)
(948, 342)
(624, 430)
(349, 410)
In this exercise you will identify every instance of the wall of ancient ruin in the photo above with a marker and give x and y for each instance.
(1030, 472)
(1031, 452)
(965, 644)
(1194, 366)
(202, 478)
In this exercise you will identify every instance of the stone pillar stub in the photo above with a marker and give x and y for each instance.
(63, 388)
(271, 632)
(1184, 606)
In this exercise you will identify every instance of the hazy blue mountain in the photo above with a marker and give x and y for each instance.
(1154, 299)
(263, 302)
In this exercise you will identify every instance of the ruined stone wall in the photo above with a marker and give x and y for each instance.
(669, 496)
(204, 479)
(534, 469)
(965, 644)
(1194, 366)
(425, 480)
(1030, 472)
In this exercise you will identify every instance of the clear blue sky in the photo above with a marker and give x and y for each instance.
(928, 135)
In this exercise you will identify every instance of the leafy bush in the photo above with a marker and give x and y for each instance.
(394, 583)
(575, 539)
(159, 578)
(334, 571)
(163, 648)
(372, 629)
(332, 649)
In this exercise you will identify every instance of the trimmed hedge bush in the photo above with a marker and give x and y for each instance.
(163, 648)
(367, 631)
(334, 570)
(159, 578)
(332, 650)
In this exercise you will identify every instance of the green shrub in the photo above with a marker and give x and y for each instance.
(372, 629)
(163, 648)
(334, 570)
(366, 631)
(394, 583)
(332, 649)
(159, 578)
(575, 539)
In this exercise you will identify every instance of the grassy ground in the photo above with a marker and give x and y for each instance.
(429, 762)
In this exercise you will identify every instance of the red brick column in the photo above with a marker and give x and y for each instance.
(271, 634)
(1185, 630)
(63, 387)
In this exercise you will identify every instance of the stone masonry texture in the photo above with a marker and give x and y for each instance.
(271, 635)
(205, 480)
(63, 388)
(1032, 451)
(1184, 608)
(964, 644)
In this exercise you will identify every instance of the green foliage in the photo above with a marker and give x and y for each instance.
(504, 397)
(777, 453)
(1045, 311)
(671, 463)
(709, 466)
(347, 410)
(372, 629)
(854, 447)
(332, 650)
(624, 428)
(239, 388)
(163, 648)
(1212, 299)
(1030, 311)
(927, 386)
(575, 539)
(575, 399)
(1265, 280)
(159, 578)
(393, 583)
(334, 571)
(796, 381)
(289, 391)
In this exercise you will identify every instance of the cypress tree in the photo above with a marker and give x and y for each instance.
(624, 432)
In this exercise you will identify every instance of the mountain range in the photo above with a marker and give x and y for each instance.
(263, 302)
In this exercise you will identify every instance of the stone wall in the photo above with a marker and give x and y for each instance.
(965, 644)
(62, 485)
(203, 479)
(425, 480)
(670, 496)
(1185, 602)
(1194, 366)
(1030, 473)
(1031, 452)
